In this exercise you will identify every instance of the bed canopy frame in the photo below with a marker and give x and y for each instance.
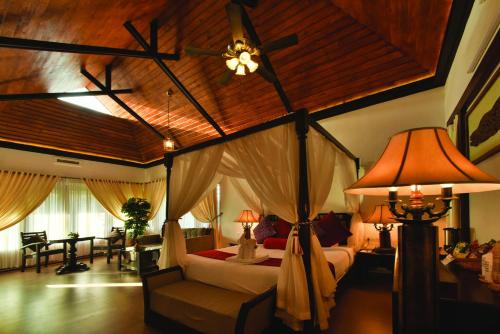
(302, 123)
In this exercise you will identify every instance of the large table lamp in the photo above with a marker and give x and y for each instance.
(417, 162)
(246, 219)
(383, 221)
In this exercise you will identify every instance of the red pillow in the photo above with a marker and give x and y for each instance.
(334, 231)
(275, 243)
(282, 228)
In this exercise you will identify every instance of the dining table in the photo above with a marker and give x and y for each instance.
(72, 265)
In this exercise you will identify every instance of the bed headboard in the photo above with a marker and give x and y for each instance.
(344, 218)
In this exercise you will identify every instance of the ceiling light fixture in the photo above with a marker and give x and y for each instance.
(168, 143)
(239, 56)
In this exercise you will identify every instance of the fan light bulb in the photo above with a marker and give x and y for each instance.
(240, 70)
(245, 58)
(252, 66)
(232, 63)
(168, 145)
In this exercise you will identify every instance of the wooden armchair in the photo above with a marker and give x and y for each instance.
(37, 244)
(113, 243)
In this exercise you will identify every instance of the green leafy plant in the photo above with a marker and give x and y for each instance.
(73, 235)
(137, 210)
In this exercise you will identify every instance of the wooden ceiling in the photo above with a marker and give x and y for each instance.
(347, 50)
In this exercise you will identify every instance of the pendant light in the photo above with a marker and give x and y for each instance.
(168, 143)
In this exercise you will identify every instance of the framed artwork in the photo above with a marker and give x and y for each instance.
(483, 121)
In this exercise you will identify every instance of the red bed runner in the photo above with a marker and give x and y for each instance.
(272, 261)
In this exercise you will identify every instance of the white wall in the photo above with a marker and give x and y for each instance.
(24, 161)
(365, 132)
(231, 206)
(485, 207)
(485, 15)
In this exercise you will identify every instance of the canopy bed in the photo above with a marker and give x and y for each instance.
(275, 163)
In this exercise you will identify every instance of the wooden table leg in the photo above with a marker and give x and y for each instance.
(91, 255)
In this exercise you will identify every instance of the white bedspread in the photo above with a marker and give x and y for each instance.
(254, 278)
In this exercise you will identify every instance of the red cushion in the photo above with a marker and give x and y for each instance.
(334, 231)
(282, 228)
(275, 243)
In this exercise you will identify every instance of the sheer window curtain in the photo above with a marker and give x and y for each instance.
(70, 207)
(206, 211)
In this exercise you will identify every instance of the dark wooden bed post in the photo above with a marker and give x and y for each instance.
(169, 162)
(302, 127)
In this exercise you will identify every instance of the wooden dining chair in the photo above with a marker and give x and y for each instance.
(114, 242)
(35, 245)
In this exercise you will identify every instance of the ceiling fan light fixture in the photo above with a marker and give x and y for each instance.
(232, 63)
(245, 57)
(240, 70)
(252, 66)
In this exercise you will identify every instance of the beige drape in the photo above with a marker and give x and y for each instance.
(206, 211)
(20, 194)
(112, 194)
(269, 162)
(193, 174)
(347, 167)
(321, 158)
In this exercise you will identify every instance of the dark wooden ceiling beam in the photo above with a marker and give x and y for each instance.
(254, 37)
(32, 44)
(279, 88)
(45, 96)
(148, 49)
(115, 98)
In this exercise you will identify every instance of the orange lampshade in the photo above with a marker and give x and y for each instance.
(246, 216)
(381, 215)
(425, 157)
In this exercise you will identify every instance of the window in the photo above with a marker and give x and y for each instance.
(87, 102)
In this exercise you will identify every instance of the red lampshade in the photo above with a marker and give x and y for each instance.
(425, 157)
(246, 216)
(381, 215)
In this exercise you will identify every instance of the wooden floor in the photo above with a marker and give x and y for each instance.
(29, 303)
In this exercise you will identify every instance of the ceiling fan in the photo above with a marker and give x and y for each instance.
(239, 52)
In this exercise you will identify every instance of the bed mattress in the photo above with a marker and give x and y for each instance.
(254, 278)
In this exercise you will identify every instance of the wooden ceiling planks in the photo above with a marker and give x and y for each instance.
(80, 131)
(347, 50)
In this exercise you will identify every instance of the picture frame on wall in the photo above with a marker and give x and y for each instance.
(483, 121)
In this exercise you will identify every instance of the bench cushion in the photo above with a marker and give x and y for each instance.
(203, 307)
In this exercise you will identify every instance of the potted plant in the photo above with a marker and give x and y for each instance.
(137, 210)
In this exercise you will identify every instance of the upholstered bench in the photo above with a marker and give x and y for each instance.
(178, 305)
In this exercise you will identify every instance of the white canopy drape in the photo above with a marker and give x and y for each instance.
(193, 174)
(268, 161)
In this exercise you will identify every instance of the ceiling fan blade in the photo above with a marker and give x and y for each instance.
(194, 51)
(234, 14)
(226, 77)
(280, 43)
(266, 74)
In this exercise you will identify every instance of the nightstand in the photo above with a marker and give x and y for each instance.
(368, 262)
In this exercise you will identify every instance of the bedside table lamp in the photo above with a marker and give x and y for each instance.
(382, 219)
(246, 219)
(414, 162)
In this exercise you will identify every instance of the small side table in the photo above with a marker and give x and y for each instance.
(369, 262)
(142, 260)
